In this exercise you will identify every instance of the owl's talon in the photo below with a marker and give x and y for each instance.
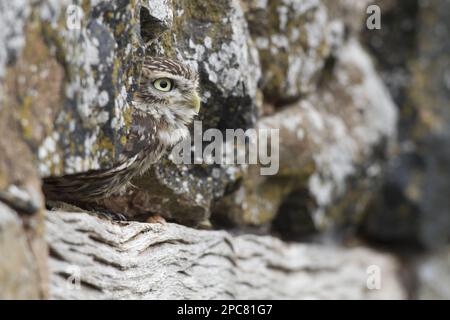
(111, 216)
(121, 217)
(156, 219)
(205, 225)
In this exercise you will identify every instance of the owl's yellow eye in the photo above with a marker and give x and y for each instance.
(163, 84)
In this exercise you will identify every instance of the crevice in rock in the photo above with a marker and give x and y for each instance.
(294, 221)
(150, 27)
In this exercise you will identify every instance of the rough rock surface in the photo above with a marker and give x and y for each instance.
(96, 259)
(67, 79)
(411, 51)
(67, 75)
(295, 34)
(23, 272)
(433, 276)
(337, 128)
(294, 49)
(78, 119)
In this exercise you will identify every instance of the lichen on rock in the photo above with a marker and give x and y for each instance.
(293, 42)
(363, 141)
(248, 57)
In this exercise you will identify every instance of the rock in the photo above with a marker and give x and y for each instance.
(70, 84)
(96, 259)
(413, 205)
(292, 38)
(23, 258)
(19, 181)
(67, 79)
(156, 16)
(296, 38)
(337, 130)
(351, 15)
(214, 39)
(189, 193)
(393, 46)
(90, 92)
(433, 278)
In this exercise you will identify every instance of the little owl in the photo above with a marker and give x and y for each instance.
(164, 106)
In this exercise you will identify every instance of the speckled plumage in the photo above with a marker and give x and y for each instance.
(160, 120)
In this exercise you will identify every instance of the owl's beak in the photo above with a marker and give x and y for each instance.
(196, 102)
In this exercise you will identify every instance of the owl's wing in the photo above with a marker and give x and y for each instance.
(141, 148)
(141, 138)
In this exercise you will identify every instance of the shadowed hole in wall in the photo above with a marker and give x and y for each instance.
(293, 221)
(151, 27)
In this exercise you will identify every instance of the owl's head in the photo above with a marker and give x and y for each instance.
(168, 91)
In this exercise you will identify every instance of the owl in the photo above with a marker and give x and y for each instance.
(164, 106)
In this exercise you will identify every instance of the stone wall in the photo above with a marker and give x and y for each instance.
(361, 137)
